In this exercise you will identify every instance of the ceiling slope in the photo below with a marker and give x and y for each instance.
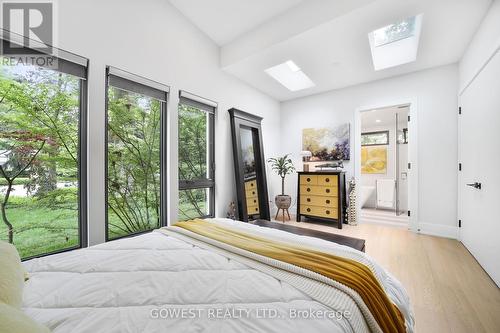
(328, 39)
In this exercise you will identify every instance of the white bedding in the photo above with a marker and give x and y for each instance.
(132, 285)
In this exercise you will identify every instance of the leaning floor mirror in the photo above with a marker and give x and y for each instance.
(249, 164)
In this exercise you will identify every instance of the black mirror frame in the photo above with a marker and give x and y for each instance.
(238, 119)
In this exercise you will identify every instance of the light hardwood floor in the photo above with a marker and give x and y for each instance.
(449, 290)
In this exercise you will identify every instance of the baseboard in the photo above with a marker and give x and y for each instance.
(387, 223)
(438, 230)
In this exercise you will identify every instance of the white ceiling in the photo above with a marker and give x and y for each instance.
(224, 20)
(387, 117)
(327, 39)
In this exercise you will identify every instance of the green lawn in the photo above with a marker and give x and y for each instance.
(188, 212)
(40, 230)
(115, 232)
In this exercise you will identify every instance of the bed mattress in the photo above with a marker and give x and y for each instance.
(159, 283)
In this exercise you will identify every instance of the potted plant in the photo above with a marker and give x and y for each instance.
(283, 166)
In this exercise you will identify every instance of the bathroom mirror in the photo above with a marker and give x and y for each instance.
(250, 171)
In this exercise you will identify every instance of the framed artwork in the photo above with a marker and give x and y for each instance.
(327, 144)
(374, 159)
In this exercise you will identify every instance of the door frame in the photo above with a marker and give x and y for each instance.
(413, 224)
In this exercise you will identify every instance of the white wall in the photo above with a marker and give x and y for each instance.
(482, 46)
(152, 39)
(435, 91)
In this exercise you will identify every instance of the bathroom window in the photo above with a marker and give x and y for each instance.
(196, 157)
(375, 138)
(136, 154)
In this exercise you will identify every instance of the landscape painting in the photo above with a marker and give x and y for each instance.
(327, 144)
(374, 160)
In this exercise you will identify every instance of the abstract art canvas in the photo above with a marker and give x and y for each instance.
(327, 144)
(374, 160)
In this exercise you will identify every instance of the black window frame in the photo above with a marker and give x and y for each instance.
(127, 81)
(376, 144)
(210, 107)
(77, 66)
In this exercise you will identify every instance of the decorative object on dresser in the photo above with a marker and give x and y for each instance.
(283, 167)
(249, 165)
(306, 157)
(321, 195)
(330, 166)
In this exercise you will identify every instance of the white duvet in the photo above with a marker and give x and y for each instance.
(158, 283)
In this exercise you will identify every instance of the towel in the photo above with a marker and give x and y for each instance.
(385, 193)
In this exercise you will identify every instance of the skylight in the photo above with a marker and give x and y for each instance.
(396, 44)
(394, 32)
(290, 75)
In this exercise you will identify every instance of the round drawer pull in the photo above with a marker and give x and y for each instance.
(253, 192)
(308, 189)
(327, 180)
(327, 201)
(308, 209)
(308, 179)
(256, 209)
(328, 212)
(327, 190)
(308, 199)
(255, 201)
(251, 184)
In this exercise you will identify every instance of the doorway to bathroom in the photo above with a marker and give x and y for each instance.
(384, 163)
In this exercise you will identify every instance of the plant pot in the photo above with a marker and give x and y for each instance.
(283, 201)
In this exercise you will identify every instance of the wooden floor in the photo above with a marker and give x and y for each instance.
(449, 290)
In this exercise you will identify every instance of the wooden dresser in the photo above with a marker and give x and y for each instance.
(252, 196)
(321, 195)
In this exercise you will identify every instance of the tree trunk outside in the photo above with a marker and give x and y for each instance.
(4, 213)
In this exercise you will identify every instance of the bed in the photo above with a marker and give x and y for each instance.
(162, 281)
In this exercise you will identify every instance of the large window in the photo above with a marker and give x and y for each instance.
(135, 154)
(42, 161)
(375, 138)
(196, 157)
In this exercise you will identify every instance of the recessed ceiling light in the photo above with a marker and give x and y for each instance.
(290, 75)
(396, 44)
(378, 121)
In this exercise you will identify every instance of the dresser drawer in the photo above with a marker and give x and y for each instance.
(252, 201)
(252, 210)
(328, 180)
(323, 201)
(251, 184)
(330, 191)
(308, 179)
(331, 213)
(251, 193)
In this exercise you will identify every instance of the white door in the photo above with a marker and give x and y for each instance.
(479, 180)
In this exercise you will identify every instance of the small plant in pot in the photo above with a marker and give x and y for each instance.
(283, 166)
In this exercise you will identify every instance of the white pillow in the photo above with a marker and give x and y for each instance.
(13, 320)
(11, 276)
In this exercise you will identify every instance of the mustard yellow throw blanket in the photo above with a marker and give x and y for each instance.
(345, 271)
